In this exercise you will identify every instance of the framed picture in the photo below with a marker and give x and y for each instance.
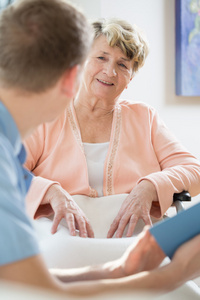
(187, 47)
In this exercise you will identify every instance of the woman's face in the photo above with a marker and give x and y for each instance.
(107, 71)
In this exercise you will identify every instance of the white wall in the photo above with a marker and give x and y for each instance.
(155, 82)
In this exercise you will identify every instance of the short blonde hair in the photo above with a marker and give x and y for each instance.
(130, 39)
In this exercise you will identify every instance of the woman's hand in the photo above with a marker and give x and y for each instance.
(136, 206)
(65, 207)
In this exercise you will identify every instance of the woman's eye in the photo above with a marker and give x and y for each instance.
(100, 57)
(122, 65)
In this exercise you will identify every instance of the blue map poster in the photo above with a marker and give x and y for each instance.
(188, 47)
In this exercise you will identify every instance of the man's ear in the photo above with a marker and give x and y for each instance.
(70, 81)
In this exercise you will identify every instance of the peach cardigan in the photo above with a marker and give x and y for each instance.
(141, 147)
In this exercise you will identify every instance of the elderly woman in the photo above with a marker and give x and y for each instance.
(103, 146)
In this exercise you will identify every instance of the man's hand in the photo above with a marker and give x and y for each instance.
(145, 255)
(187, 259)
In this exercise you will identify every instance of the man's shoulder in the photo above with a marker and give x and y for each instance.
(6, 149)
(8, 160)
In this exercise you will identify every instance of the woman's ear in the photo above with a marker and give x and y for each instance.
(70, 81)
(129, 81)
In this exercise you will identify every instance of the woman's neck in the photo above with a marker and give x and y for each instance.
(95, 119)
(93, 107)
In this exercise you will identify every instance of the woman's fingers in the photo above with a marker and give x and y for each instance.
(132, 223)
(71, 223)
(81, 226)
(119, 224)
(113, 227)
(79, 222)
(147, 219)
(122, 225)
(56, 221)
(65, 207)
(136, 206)
(75, 221)
(89, 230)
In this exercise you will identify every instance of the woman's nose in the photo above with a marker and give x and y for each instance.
(110, 70)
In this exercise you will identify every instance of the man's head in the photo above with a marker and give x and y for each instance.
(39, 41)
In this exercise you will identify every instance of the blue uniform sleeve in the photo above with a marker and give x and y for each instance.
(173, 232)
(17, 236)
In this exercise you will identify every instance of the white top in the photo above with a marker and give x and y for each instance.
(95, 156)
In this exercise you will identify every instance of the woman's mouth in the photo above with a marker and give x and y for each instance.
(105, 82)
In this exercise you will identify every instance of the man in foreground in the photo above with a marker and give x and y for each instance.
(43, 44)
